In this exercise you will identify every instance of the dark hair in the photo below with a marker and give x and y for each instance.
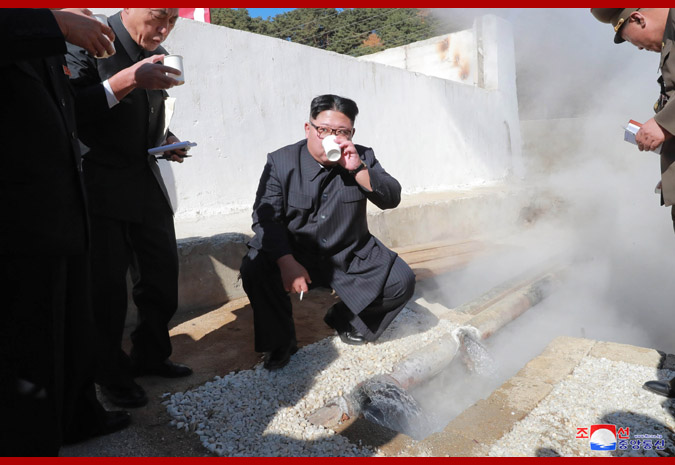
(336, 103)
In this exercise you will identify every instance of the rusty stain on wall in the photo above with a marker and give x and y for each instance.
(457, 61)
(442, 48)
(452, 56)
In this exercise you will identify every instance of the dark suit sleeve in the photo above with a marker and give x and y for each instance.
(386, 189)
(269, 214)
(90, 99)
(27, 33)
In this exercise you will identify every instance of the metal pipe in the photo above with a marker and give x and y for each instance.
(492, 310)
(512, 305)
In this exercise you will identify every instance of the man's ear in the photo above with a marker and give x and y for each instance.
(638, 18)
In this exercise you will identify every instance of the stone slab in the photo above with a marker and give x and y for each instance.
(627, 353)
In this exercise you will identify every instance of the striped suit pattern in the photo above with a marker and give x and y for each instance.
(318, 214)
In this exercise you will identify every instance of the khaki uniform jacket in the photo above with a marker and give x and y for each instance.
(665, 111)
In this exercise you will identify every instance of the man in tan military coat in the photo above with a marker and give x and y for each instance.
(653, 29)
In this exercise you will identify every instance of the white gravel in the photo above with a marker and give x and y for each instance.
(599, 391)
(261, 413)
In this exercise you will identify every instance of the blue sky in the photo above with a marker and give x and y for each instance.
(265, 13)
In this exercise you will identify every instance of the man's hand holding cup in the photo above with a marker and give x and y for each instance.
(350, 159)
(151, 74)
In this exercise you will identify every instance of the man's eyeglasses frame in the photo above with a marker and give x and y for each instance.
(323, 131)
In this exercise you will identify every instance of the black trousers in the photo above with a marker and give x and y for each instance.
(273, 312)
(47, 359)
(148, 250)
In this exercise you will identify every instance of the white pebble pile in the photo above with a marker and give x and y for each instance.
(599, 391)
(261, 413)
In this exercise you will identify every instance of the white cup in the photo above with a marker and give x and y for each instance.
(331, 148)
(175, 61)
(103, 19)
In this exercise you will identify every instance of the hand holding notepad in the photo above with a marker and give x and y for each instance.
(631, 131)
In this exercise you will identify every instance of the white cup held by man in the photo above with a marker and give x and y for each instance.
(103, 19)
(332, 149)
(175, 61)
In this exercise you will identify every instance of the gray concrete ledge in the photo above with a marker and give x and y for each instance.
(210, 260)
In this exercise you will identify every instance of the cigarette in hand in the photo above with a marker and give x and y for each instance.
(301, 294)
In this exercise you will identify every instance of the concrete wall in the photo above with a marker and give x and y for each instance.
(450, 144)
(247, 95)
(482, 56)
(450, 56)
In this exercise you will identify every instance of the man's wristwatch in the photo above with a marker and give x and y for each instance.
(358, 168)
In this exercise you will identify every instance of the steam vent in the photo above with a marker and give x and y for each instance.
(542, 254)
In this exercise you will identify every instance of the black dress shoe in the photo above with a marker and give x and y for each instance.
(110, 422)
(662, 388)
(165, 369)
(352, 337)
(279, 358)
(125, 396)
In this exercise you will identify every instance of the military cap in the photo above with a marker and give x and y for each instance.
(617, 17)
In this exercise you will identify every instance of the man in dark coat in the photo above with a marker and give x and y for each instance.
(653, 29)
(46, 335)
(310, 225)
(121, 102)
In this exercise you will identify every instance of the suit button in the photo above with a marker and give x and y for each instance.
(324, 196)
(152, 110)
(324, 240)
(323, 217)
(63, 102)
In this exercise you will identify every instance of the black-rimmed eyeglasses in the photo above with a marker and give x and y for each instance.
(323, 131)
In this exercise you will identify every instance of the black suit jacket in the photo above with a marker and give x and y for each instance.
(40, 185)
(319, 216)
(116, 139)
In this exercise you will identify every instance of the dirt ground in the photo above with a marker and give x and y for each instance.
(213, 343)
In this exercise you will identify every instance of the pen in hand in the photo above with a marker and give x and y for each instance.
(168, 157)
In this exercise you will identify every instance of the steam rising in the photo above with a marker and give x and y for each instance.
(568, 65)
(576, 90)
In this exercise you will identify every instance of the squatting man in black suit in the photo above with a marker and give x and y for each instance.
(47, 387)
(123, 98)
(309, 220)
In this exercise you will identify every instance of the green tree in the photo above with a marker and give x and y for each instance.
(357, 33)
(308, 26)
(238, 18)
(350, 31)
(407, 25)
